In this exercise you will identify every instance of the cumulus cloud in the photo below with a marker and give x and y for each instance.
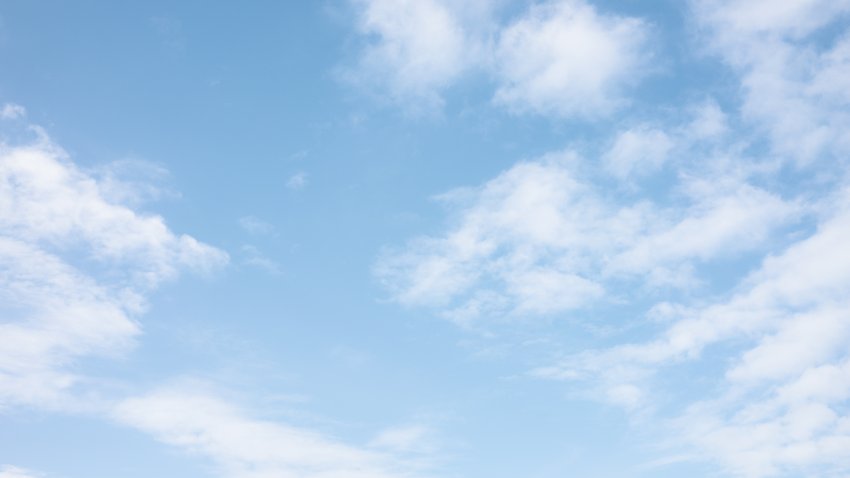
(561, 58)
(58, 225)
(638, 151)
(416, 49)
(794, 82)
(778, 406)
(541, 239)
(564, 58)
(242, 446)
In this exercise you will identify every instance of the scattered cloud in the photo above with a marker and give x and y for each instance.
(255, 226)
(8, 471)
(297, 181)
(794, 82)
(254, 258)
(405, 439)
(638, 151)
(564, 58)
(415, 49)
(11, 111)
(778, 405)
(59, 226)
(541, 239)
(133, 182)
(560, 58)
(242, 446)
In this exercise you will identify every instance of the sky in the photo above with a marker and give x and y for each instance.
(425, 239)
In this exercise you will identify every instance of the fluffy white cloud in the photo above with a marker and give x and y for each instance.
(245, 447)
(780, 405)
(638, 151)
(8, 471)
(560, 57)
(540, 239)
(566, 59)
(416, 49)
(790, 18)
(57, 222)
(794, 81)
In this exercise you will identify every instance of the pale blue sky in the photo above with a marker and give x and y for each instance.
(425, 239)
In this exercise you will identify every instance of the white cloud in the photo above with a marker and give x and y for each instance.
(406, 439)
(638, 151)
(11, 111)
(132, 182)
(538, 239)
(255, 226)
(561, 57)
(564, 58)
(254, 258)
(416, 49)
(790, 18)
(8, 471)
(710, 122)
(779, 405)
(297, 181)
(245, 447)
(56, 222)
(794, 82)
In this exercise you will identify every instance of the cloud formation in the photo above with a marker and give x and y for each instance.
(564, 58)
(9, 471)
(245, 447)
(560, 58)
(415, 49)
(58, 226)
(794, 82)
(541, 239)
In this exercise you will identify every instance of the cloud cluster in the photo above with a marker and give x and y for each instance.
(785, 384)
(245, 447)
(566, 59)
(416, 48)
(794, 78)
(754, 376)
(562, 57)
(541, 239)
(74, 270)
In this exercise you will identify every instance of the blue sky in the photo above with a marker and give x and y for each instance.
(425, 239)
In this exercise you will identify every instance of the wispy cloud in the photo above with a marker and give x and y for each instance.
(56, 220)
(541, 239)
(254, 258)
(795, 84)
(255, 226)
(297, 181)
(776, 406)
(11, 111)
(9, 471)
(242, 446)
